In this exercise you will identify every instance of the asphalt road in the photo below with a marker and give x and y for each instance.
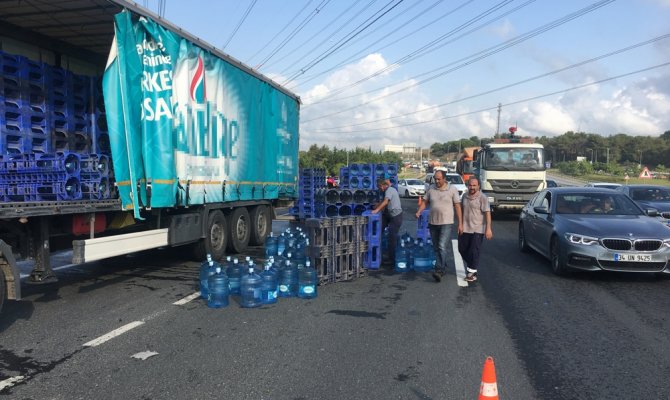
(383, 336)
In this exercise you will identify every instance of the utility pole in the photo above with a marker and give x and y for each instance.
(498, 127)
(608, 155)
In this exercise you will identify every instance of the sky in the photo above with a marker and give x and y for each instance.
(377, 72)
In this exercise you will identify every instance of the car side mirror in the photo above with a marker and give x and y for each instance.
(652, 212)
(541, 210)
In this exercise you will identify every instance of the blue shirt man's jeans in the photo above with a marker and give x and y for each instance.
(440, 235)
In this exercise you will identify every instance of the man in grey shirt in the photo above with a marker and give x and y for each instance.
(392, 216)
(444, 203)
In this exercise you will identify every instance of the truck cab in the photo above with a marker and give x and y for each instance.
(511, 172)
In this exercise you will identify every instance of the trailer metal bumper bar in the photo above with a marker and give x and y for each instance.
(111, 246)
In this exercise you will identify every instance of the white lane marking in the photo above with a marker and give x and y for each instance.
(143, 355)
(460, 267)
(9, 382)
(187, 299)
(111, 335)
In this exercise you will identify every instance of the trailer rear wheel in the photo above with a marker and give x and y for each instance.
(240, 230)
(261, 225)
(3, 288)
(216, 237)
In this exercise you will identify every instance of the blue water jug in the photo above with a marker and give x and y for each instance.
(307, 282)
(401, 259)
(299, 256)
(218, 289)
(281, 243)
(270, 245)
(234, 273)
(422, 262)
(269, 285)
(250, 289)
(288, 280)
(206, 270)
(431, 252)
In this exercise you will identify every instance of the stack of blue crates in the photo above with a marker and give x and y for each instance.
(54, 144)
(337, 247)
(373, 235)
(345, 202)
(422, 231)
(310, 186)
(364, 176)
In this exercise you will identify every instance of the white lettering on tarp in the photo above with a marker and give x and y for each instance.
(156, 81)
(156, 60)
(154, 111)
(155, 108)
(150, 46)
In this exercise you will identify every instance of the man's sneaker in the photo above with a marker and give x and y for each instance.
(471, 277)
(437, 276)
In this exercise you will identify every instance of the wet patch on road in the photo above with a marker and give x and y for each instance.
(358, 314)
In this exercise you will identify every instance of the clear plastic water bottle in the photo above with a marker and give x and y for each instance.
(218, 289)
(307, 282)
(234, 273)
(288, 280)
(250, 289)
(269, 285)
(206, 270)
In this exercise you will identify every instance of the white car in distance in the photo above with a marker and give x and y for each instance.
(454, 180)
(411, 188)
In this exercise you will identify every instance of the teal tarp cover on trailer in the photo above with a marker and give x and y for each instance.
(187, 127)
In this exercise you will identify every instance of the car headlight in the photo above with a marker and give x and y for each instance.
(666, 243)
(581, 239)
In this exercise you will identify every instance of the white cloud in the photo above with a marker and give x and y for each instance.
(336, 130)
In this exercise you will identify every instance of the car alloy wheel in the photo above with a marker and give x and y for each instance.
(523, 245)
(557, 264)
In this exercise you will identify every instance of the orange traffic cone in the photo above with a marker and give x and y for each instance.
(489, 388)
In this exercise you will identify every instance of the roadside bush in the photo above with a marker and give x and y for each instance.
(575, 168)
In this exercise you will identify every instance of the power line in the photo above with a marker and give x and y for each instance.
(500, 88)
(295, 32)
(507, 104)
(327, 36)
(280, 31)
(244, 17)
(426, 48)
(342, 42)
(481, 55)
(310, 78)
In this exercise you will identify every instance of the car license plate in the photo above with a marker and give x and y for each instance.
(513, 197)
(633, 257)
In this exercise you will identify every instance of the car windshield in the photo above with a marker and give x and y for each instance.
(414, 182)
(651, 194)
(596, 203)
(455, 179)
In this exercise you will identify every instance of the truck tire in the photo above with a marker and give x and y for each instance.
(240, 230)
(3, 288)
(216, 238)
(261, 225)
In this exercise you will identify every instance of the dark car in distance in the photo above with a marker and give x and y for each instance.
(593, 229)
(650, 196)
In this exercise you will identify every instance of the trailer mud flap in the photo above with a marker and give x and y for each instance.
(8, 265)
